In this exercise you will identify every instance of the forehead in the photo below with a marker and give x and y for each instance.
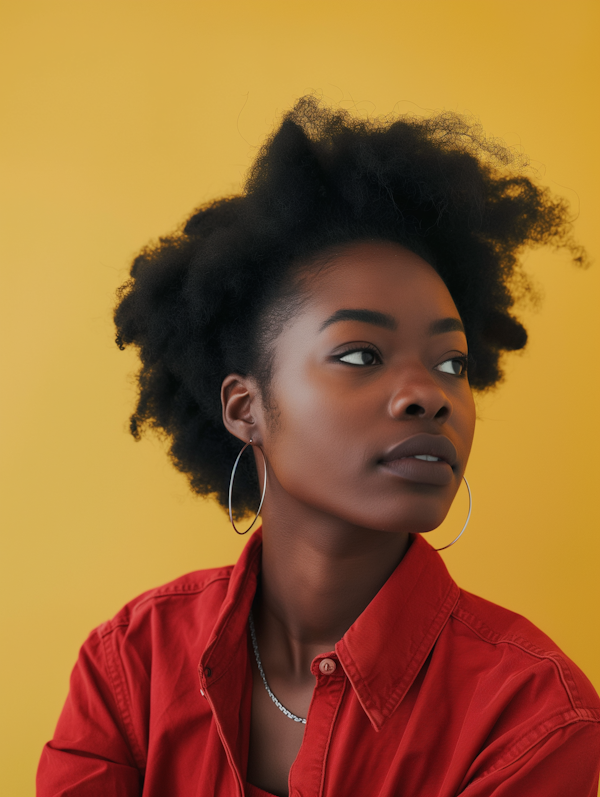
(382, 275)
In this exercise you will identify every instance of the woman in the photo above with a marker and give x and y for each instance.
(332, 321)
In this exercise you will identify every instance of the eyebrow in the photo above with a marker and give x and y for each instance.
(449, 324)
(366, 316)
(438, 327)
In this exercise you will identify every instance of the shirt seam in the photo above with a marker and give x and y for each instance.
(523, 644)
(114, 664)
(111, 625)
(538, 734)
(330, 737)
(119, 689)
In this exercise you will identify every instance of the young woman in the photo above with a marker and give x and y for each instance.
(310, 348)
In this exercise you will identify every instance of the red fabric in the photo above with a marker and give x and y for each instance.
(254, 791)
(437, 693)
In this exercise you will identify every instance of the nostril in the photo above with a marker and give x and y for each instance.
(415, 409)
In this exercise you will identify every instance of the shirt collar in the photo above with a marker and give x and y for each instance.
(382, 651)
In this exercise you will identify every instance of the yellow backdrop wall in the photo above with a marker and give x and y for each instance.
(120, 117)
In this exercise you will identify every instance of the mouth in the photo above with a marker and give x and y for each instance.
(414, 469)
(422, 458)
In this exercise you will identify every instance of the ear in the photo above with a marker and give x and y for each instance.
(239, 399)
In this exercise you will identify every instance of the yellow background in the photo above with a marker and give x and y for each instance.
(119, 118)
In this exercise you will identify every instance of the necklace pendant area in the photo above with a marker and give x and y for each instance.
(279, 705)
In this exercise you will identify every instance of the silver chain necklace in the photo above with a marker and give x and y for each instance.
(263, 676)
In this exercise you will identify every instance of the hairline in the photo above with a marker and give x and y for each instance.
(290, 297)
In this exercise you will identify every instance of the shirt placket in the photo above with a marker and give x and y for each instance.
(307, 775)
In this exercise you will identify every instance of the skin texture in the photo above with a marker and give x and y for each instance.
(336, 521)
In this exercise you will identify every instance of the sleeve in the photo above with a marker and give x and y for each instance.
(565, 763)
(93, 752)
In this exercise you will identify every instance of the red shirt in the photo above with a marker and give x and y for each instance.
(436, 693)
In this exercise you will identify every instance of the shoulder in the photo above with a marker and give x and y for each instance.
(188, 605)
(169, 626)
(516, 656)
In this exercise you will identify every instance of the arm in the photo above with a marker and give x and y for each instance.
(564, 763)
(94, 752)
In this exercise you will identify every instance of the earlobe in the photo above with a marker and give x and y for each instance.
(237, 397)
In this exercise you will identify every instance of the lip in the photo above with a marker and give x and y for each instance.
(400, 459)
(435, 445)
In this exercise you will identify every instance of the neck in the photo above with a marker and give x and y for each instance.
(318, 575)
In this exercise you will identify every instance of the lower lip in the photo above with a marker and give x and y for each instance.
(421, 471)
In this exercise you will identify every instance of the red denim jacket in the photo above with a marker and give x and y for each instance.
(436, 693)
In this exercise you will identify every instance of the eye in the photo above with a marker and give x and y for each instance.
(364, 356)
(457, 366)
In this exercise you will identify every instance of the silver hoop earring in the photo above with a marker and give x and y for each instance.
(241, 533)
(466, 522)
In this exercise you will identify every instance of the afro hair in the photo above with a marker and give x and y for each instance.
(211, 298)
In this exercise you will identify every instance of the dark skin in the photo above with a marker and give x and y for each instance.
(336, 519)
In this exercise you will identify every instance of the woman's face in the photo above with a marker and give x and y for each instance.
(375, 360)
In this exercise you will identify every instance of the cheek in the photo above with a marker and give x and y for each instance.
(317, 453)
(313, 442)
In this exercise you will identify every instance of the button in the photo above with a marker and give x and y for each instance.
(207, 672)
(202, 693)
(327, 666)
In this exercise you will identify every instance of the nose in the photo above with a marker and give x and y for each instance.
(417, 394)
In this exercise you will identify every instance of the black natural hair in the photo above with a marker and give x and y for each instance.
(210, 299)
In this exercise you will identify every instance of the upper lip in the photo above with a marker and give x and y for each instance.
(435, 445)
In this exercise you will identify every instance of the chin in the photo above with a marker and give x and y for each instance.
(411, 522)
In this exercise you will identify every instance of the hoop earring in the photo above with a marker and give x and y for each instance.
(466, 522)
(241, 533)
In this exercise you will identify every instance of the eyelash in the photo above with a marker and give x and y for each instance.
(366, 347)
(462, 359)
